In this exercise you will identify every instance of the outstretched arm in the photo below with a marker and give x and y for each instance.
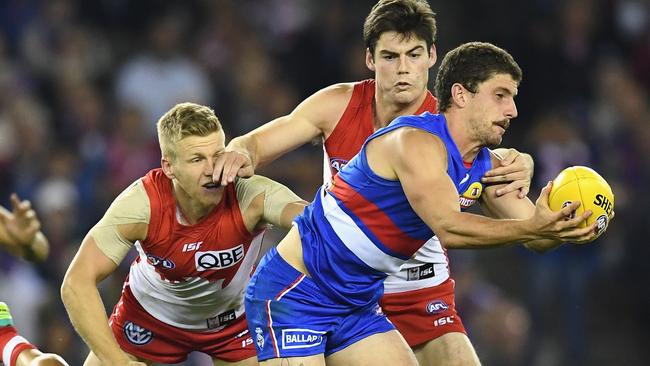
(20, 231)
(316, 116)
(434, 198)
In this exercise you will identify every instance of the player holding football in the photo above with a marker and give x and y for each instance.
(399, 36)
(197, 243)
(314, 300)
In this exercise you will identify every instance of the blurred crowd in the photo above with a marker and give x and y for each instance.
(82, 84)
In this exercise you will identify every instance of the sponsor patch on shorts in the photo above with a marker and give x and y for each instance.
(420, 272)
(301, 338)
(136, 334)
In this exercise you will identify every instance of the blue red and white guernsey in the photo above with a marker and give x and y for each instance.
(362, 228)
(355, 232)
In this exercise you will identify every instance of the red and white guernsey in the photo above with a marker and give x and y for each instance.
(429, 266)
(193, 277)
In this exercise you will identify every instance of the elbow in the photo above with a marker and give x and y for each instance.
(69, 289)
(448, 240)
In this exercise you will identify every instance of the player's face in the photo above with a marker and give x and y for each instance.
(491, 108)
(401, 67)
(193, 166)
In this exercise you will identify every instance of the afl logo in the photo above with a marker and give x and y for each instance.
(436, 307)
(160, 262)
(601, 224)
(136, 334)
(337, 164)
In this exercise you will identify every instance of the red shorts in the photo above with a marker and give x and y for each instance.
(144, 336)
(425, 314)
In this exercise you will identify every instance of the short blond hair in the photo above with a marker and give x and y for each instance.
(183, 120)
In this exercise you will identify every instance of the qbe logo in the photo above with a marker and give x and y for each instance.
(218, 259)
(137, 334)
(437, 307)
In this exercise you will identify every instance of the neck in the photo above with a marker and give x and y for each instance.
(460, 133)
(386, 110)
(193, 210)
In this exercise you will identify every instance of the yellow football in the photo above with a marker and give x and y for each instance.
(579, 183)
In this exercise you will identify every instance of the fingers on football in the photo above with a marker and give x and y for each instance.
(568, 210)
(584, 235)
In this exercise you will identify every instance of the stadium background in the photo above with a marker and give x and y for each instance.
(82, 84)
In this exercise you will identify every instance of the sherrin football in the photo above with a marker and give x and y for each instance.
(580, 183)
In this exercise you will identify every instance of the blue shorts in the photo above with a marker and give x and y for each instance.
(289, 316)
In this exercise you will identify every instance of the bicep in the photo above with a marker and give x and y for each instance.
(90, 264)
(425, 181)
(262, 199)
(312, 118)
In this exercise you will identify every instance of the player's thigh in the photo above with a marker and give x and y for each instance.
(451, 349)
(315, 360)
(92, 360)
(251, 361)
(388, 348)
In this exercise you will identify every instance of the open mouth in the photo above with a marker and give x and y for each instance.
(211, 185)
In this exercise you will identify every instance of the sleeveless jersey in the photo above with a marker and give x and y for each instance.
(355, 125)
(362, 227)
(193, 276)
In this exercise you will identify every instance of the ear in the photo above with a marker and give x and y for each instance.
(167, 168)
(459, 95)
(433, 56)
(370, 61)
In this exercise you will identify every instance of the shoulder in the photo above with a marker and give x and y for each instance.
(130, 206)
(324, 108)
(335, 96)
(250, 191)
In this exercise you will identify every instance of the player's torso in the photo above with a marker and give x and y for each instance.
(429, 265)
(355, 126)
(193, 276)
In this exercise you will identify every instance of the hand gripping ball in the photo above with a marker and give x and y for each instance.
(579, 183)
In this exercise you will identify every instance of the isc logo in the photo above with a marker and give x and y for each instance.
(218, 259)
(189, 247)
(444, 320)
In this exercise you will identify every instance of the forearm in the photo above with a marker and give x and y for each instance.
(246, 145)
(542, 245)
(470, 231)
(86, 312)
(37, 250)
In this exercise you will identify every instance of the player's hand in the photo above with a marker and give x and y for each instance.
(22, 224)
(516, 169)
(561, 225)
(232, 164)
